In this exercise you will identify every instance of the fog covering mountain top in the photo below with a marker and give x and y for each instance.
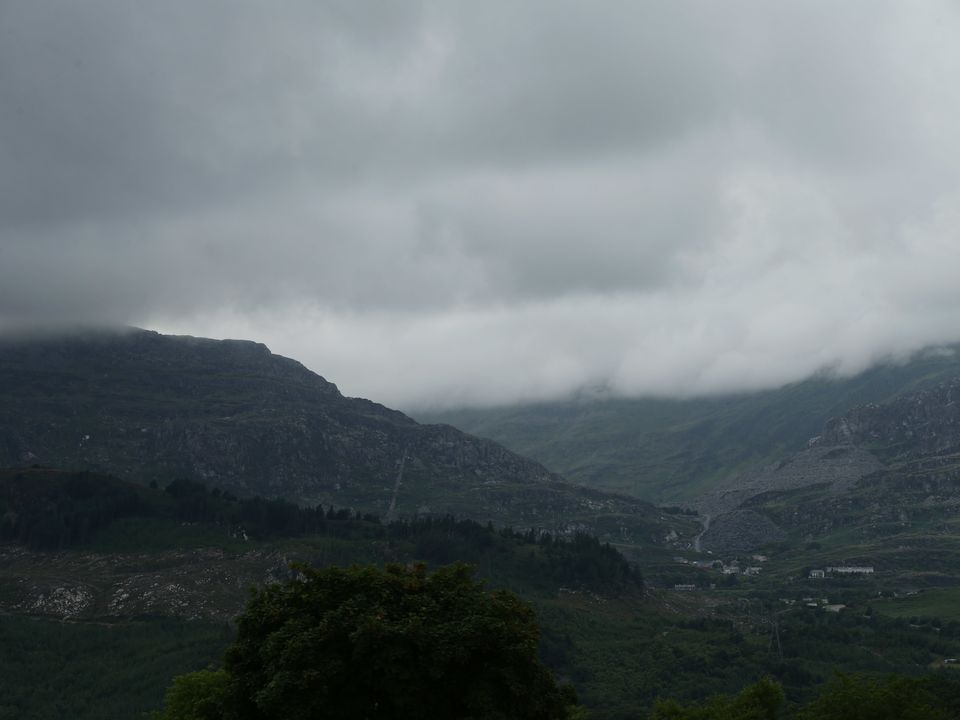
(675, 450)
(442, 204)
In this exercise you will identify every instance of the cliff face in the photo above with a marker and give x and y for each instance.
(149, 407)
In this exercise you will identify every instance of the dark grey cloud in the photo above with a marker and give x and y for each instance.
(480, 202)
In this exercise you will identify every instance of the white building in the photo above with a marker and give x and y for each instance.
(851, 570)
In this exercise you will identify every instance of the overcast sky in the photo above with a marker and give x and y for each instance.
(485, 202)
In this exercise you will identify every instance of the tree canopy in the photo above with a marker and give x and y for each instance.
(366, 642)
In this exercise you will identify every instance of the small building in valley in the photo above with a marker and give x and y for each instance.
(851, 570)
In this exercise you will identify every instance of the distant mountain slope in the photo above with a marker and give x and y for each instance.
(670, 450)
(231, 414)
(879, 486)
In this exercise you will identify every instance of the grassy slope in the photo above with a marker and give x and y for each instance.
(667, 450)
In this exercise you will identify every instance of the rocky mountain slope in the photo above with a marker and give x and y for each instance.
(881, 479)
(918, 425)
(231, 414)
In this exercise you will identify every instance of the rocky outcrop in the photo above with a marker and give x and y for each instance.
(203, 583)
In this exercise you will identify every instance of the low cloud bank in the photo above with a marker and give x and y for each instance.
(462, 203)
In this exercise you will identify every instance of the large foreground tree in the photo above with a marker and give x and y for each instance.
(391, 643)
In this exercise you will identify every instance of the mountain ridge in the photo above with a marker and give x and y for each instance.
(231, 414)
